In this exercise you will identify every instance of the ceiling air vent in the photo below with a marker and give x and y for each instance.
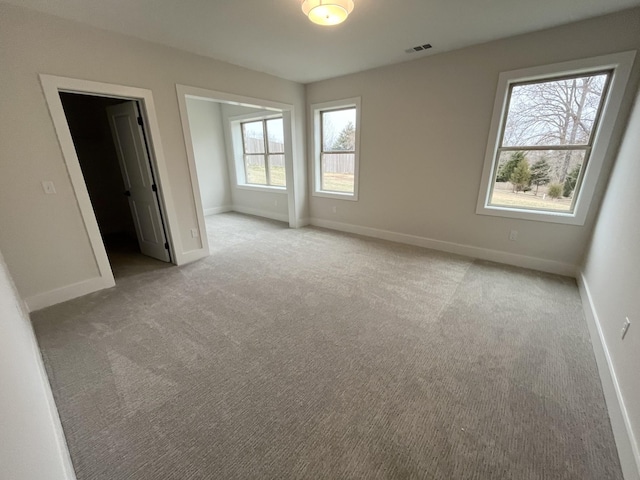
(419, 48)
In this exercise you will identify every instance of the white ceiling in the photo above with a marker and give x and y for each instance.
(274, 36)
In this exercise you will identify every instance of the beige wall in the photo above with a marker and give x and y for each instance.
(612, 272)
(43, 237)
(205, 123)
(33, 446)
(424, 131)
(270, 204)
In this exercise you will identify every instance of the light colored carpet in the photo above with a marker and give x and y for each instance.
(313, 354)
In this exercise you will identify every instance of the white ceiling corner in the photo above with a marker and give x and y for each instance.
(274, 36)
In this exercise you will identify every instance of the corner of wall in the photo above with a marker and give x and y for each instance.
(68, 292)
(534, 263)
(623, 434)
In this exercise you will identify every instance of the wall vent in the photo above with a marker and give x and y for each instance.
(418, 48)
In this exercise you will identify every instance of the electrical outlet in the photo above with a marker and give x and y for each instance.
(194, 233)
(625, 327)
(48, 187)
(513, 235)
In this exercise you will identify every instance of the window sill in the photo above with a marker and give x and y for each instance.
(262, 188)
(566, 218)
(336, 195)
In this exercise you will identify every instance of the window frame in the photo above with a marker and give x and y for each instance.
(266, 154)
(237, 150)
(620, 65)
(317, 109)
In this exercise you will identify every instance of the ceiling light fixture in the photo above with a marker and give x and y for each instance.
(327, 12)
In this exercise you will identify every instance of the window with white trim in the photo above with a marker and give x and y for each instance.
(336, 144)
(549, 137)
(263, 152)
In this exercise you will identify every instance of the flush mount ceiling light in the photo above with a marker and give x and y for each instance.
(327, 12)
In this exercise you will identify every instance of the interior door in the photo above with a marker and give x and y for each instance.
(133, 156)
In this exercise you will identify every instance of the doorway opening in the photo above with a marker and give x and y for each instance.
(241, 156)
(111, 144)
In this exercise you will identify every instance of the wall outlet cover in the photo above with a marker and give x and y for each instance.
(48, 187)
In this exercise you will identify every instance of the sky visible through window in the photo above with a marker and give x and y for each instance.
(264, 162)
(548, 132)
(335, 123)
(337, 162)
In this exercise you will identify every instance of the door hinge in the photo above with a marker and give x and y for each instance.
(154, 187)
(140, 121)
(166, 246)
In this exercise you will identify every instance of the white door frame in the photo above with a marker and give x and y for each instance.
(52, 87)
(291, 160)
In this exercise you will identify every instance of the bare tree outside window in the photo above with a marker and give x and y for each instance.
(337, 155)
(547, 137)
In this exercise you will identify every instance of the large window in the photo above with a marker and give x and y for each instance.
(263, 152)
(549, 138)
(336, 139)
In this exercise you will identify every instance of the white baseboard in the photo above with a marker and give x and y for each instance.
(62, 294)
(524, 261)
(620, 423)
(193, 255)
(283, 217)
(301, 222)
(63, 448)
(216, 210)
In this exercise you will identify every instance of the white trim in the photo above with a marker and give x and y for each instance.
(217, 210)
(262, 188)
(193, 173)
(58, 432)
(193, 255)
(524, 261)
(225, 97)
(303, 222)
(52, 85)
(61, 440)
(315, 143)
(262, 213)
(235, 141)
(621, 64)
(335, 195)
(68, 292)
(626, 442)
(248, 117)
(292, 162)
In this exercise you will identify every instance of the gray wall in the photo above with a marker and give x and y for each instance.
(34, 43)
(424, 132)
(207, 135)
(269, 204)
(612, 272)
(214, 156)
(33, 447)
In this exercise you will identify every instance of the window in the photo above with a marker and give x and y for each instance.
(263, 152)
(335, 141)
(549, 136)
